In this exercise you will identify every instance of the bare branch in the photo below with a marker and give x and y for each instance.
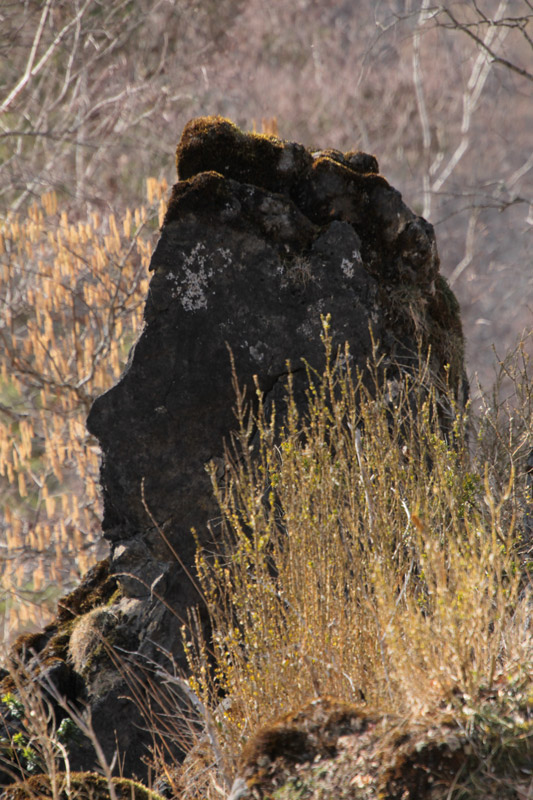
(484, 44)
(31, 58)
(31, 70)
(476, 82)
(469, 247)
(422, 110)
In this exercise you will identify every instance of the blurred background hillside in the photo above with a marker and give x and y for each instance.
(93, 98)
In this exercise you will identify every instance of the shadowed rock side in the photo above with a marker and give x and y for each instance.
(261, 238)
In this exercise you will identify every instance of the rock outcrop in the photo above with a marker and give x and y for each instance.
(261, 239)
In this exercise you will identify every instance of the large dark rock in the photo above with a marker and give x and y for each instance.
(261, 239)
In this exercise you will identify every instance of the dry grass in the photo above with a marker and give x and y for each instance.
(72, 296)
(368, 556)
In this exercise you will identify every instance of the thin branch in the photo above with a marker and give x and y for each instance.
(422, 109)
(474, 89)
(485, 46)
(520, 172)
(28, 72)
(469, 247)
(31, 70)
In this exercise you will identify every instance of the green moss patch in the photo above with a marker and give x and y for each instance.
(332, 189)
(302, 737)
(31, 642)
(51, 644)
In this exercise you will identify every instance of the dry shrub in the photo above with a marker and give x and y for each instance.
(72, 294)
(367, 555)
(371, 551)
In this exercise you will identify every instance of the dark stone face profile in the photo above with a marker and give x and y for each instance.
(261, 240)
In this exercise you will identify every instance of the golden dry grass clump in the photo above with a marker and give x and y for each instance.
(373, 553)
(72, 293)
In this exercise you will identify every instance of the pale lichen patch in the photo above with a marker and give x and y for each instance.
(255, 351)
(190, 285)
(348, 266)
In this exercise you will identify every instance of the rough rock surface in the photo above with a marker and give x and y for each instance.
(331, 749)
(261, 239)
(328, 749)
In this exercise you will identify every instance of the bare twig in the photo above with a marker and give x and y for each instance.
(33, 69)
(474, 88)
(422, 110)
(485, 44)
